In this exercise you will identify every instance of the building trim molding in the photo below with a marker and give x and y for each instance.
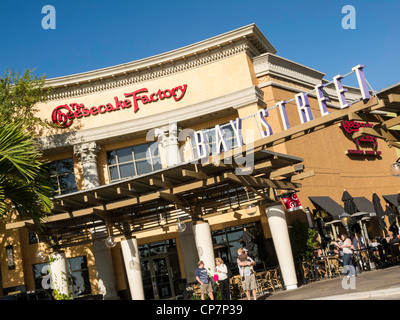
(247, 39)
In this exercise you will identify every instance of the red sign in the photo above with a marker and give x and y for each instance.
(291, 202)
(64, 114)
(354, 126)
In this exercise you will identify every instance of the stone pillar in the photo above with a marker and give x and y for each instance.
(168, 140)
(189, 252)
(59, 275)
(204, 243)
(280, 236)
(88, 153)
(105, 271)
(130, 252)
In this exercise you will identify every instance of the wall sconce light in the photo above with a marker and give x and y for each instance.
(395, 168)
(109, 242)
(10, 257)
(345, 218)
(180, 226)
(250, 208)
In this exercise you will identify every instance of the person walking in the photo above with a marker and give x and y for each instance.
(222, 271)
(345, 245)
(249, 283)
(201, 275)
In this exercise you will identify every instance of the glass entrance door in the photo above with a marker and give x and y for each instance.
(157, 280)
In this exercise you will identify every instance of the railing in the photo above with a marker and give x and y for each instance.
(267, 280)
(313, 270)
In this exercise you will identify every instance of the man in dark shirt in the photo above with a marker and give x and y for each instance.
(205, 283)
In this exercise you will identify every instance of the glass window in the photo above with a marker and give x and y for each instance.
(227, 241)
(40, 271)
(132, 161)
(78, 275)
(62, 176)
(125, 155)
(143, 167)
(127, 170)
(140, 151)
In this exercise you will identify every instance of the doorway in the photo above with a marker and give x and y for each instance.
(157, 280)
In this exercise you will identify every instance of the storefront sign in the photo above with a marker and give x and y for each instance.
(291, 202)
(370, 141)
(64, 114)
(303, 107)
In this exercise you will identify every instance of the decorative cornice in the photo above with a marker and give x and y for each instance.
(295, 74)
(278, 66)
(247, 39)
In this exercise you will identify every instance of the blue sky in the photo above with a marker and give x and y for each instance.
(94, 34)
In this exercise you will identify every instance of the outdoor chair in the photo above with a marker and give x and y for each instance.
(308, 271)
(335, 266)
(267, 283)
(276, 279)
(196, 290)
(236, 287)
(261, 281)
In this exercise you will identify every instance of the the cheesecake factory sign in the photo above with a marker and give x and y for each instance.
(65, 114)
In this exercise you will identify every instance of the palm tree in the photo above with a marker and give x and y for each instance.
(24, 181)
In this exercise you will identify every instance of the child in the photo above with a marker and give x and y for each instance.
(244, 257)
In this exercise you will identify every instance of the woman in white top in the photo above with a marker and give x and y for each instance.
(222, 272)
(346, 246)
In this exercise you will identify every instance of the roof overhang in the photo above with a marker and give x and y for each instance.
(186, 191)
(249, 36)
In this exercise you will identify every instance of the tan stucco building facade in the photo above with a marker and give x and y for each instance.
(164, 100)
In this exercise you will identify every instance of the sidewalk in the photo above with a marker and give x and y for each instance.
(377, 284)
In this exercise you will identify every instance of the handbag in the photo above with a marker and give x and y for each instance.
(215, 277)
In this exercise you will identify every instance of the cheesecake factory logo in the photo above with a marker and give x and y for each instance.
(65, 114)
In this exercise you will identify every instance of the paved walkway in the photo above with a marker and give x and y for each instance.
(377, 284)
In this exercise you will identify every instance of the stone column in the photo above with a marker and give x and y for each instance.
(59, 275)
(189, 252)
(168, 140)
(204, 243)
(105, 271)
(88, 153)
(102, 255)
(130, 252)
(280, 236)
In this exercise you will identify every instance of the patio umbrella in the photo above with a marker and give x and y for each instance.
(398, 201)
(379, 211)
(325, 238)
(248, 242)
(392, 220)
(349, 205)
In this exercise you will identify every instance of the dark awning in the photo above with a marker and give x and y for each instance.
(364, 205)
(329, 205)
(391, 198)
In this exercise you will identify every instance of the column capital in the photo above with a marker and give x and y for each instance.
(87, 151)
(167, 135)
